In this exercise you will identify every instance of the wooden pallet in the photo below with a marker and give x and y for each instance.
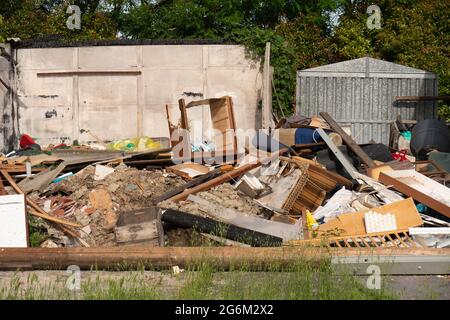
(398, 239)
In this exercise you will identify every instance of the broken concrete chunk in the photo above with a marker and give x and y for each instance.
(250, 185)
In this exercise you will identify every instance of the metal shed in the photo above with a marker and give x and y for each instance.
(361, 93)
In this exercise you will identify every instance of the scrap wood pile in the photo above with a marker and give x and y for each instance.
(318, 187)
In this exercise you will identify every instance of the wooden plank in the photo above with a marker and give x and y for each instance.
(194, 182)
(188, 171)
(41, 180)
(184, 119)
(422, 98)
(420, 188)
(267, 118)
(216, 181)
(19, 169)
(222, 117)
(308, 145)
(199, 103)
(405, 213)
(226, 176)
(2, 188)
(40, 212)
(348, 140)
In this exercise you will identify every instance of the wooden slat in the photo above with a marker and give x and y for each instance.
(40, 212)
(422, 98)
(348, 140)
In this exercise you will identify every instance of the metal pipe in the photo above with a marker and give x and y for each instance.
(157, 257)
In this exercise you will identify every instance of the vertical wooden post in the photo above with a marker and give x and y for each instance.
(267, 121)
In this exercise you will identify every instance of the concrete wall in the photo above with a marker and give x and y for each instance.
(121, 91)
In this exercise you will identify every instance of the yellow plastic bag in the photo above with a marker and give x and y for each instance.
(311, 223)
(135, 144)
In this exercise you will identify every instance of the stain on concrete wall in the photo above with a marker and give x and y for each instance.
(8, 109)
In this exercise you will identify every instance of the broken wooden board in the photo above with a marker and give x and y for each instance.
(351, 224)
(222, 116)
(35, 160)
(285, 191)
(192, 183)
(348, 140)
(13, 222)
(38, 211)
(374, 172)
(421, 188)
(41, 180)
(142, 226)
(189, 170)
(399, 239)
(222, 119)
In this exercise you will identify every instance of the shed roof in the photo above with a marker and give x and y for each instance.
(367, 68)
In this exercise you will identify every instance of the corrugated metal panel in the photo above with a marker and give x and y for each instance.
(366, 103)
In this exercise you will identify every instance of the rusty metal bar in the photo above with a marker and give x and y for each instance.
(224, 257)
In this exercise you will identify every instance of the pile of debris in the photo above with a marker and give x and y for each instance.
(307, 182)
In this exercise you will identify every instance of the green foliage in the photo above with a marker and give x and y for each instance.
(34, 19)
(283, 60)
(352, 39)
(2, 27)
(414, 33)
(302, 280)
(248, 22)
(37, 234)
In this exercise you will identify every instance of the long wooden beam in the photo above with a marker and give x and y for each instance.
(225, 177)
(348, 140)
(225, 257)
(422, 98)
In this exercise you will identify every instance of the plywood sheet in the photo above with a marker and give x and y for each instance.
(223, 120)
(189, 170)
(405, 213)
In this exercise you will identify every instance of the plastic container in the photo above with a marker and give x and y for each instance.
(427, 135)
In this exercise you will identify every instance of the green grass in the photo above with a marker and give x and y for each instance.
(300, 280)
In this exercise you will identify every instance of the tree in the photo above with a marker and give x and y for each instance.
(248, 22)
(415, 33)
(34, 19)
